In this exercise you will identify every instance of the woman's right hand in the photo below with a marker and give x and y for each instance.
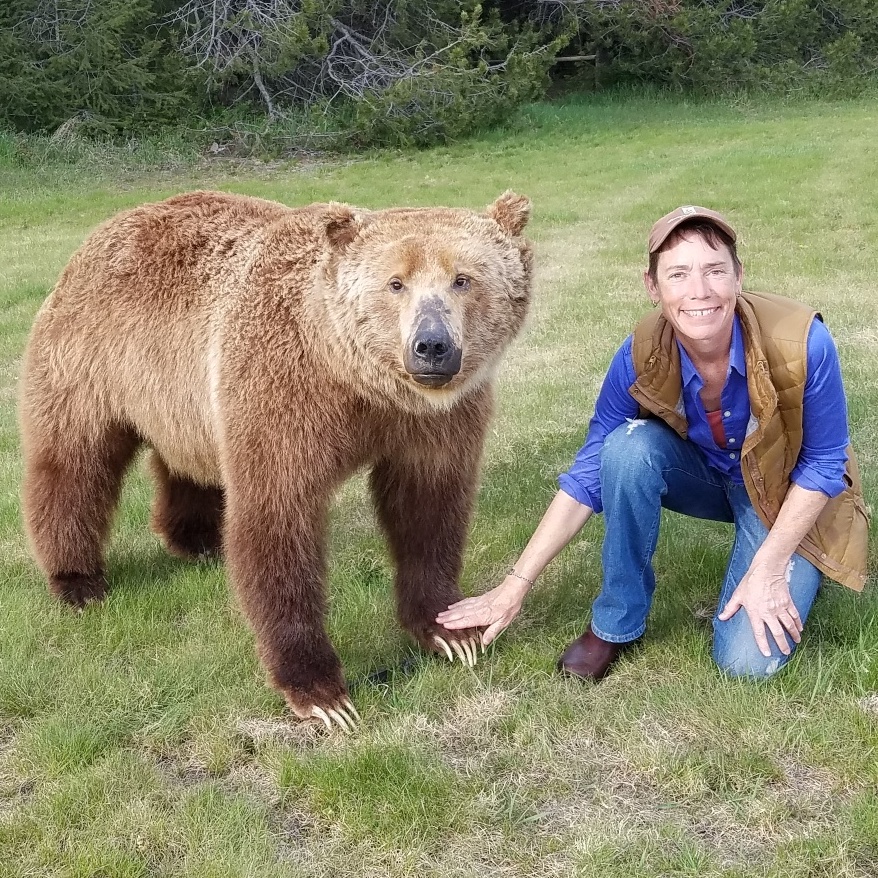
(493, 611)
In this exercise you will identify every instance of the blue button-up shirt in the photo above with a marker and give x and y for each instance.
(822, 459)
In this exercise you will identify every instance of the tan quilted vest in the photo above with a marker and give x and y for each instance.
(775, 332)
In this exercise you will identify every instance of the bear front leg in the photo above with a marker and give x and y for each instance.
(425, 513)
(275, 555)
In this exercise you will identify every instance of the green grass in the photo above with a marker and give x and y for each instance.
(139, 738)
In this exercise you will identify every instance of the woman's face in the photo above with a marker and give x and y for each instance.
(696, 287)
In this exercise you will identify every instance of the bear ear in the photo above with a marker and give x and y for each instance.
(342, 226)
(511, 212)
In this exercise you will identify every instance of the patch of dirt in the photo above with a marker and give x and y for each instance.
(14, 791)
(294, 733)
(869, 703)
(183, 772)
(296, 831)
(609, 797)
(582, 788)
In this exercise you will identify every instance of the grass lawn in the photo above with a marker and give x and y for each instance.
(139, 739)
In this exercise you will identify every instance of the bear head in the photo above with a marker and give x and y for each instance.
(422, 302)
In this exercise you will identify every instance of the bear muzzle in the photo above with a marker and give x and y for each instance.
(432, 357)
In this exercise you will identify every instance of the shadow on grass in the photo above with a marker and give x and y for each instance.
(134, 569)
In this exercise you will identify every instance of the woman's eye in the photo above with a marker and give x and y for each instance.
(396, 285)
(461, 282)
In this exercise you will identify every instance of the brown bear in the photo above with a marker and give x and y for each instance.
(264, 353)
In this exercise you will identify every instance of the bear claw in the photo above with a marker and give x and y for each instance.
(465, 649)
(439, 641)
(344, 716)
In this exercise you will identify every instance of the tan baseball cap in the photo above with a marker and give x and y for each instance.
(660, 231)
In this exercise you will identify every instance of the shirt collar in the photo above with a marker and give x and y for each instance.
(737, 361)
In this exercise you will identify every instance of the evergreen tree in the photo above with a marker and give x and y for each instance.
(103, 62)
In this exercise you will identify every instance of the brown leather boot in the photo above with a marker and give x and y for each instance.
(589, 657)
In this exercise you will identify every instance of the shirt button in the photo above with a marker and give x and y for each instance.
(732, 456)
(732, 441)
(727, 414)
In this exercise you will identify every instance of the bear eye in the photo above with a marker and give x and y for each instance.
(461, 282)
(396, 285)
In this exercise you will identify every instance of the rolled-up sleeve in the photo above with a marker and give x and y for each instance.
(614, 407)
(825, 438)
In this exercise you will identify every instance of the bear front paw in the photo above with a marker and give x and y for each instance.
(463, 642)
(317, 690)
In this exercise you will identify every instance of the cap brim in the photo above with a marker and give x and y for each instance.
(665, 226)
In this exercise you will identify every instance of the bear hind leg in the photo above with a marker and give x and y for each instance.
(70, 491)
(187, 516)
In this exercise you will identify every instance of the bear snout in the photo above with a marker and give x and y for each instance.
(432, 357)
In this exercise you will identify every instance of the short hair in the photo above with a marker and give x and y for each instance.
(713, 235)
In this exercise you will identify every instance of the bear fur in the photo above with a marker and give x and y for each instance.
(264, 353)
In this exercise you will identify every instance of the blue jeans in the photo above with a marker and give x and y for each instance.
(645, 466)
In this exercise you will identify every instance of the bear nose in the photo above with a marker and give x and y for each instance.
(431, 349)
(432, 353)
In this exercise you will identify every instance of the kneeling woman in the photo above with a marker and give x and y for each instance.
(723, 405)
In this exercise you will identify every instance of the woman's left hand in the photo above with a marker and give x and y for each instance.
(764, 594)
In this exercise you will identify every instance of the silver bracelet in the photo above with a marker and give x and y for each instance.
(522, 578)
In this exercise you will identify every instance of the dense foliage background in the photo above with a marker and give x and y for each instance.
(352, 73)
